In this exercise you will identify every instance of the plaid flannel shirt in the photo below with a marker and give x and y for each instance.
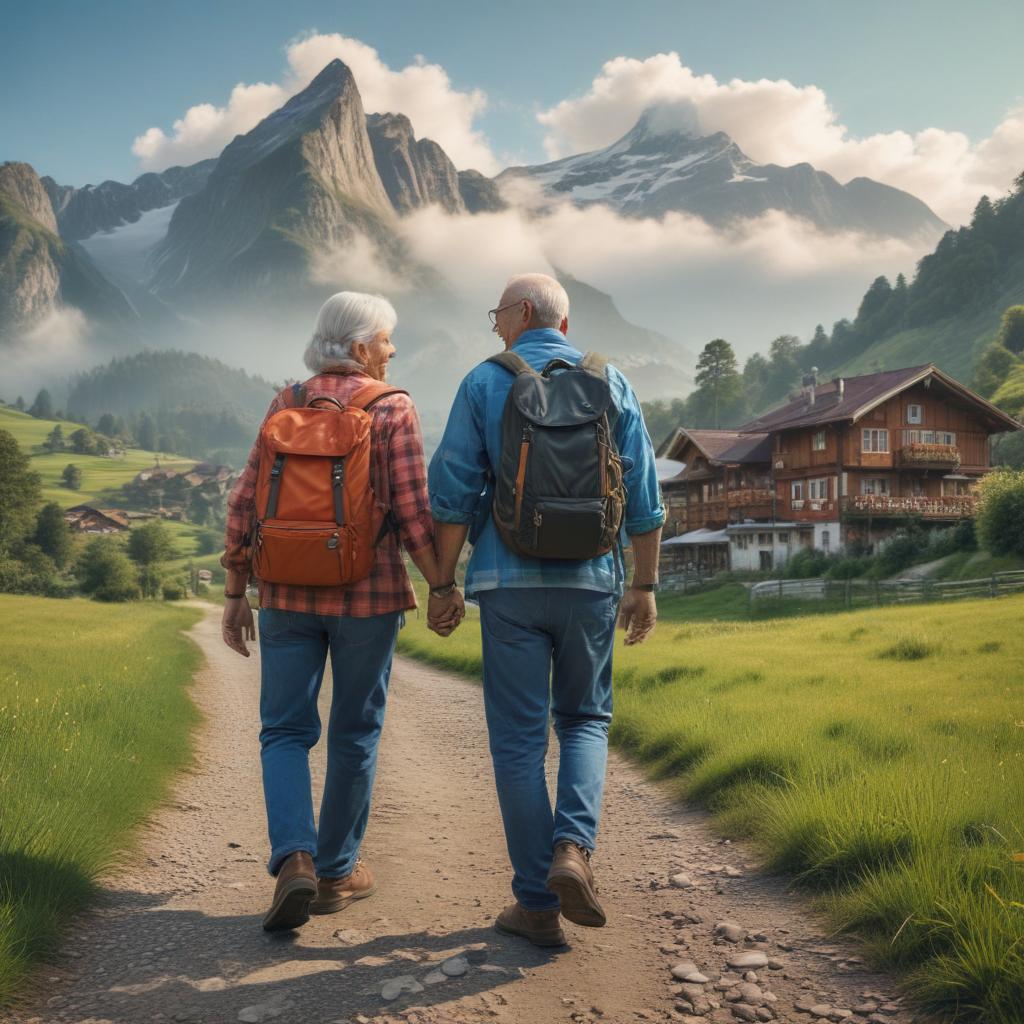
(398, 478)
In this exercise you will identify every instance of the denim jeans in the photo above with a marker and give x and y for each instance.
(293, 649)
(547, 649)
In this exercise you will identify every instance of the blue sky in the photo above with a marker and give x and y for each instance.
(79, 81)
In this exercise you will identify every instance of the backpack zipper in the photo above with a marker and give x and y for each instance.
(520, 485)
(538, 521)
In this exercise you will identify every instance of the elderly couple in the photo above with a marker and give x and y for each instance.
(547, 622)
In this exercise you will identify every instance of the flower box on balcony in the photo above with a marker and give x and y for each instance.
(919, 454)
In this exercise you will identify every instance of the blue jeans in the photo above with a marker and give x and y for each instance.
(547, 648)
(293, 648)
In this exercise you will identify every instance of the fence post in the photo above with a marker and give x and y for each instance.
(992, 586)
(780, 589)
(878, 594)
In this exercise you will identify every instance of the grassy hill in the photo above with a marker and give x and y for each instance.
(102, 476)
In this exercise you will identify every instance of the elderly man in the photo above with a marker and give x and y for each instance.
(317, 868)
(547, 624)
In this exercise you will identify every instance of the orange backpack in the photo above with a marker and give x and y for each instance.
(317, 521)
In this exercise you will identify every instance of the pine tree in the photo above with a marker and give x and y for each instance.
(718, 381)
(19, 491)
(54, 440)
(71, 477)
(145, 434)
(42, 407)
(1011, 330)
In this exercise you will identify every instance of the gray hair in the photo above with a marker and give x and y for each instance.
(548, 298)
(343, 320)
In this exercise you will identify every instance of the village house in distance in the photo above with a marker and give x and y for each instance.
(843, 463)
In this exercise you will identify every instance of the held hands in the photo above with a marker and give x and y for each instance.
(445, 613)
(638, 612)
(236, 624)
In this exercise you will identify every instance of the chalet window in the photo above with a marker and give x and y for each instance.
(915, 414)
(783, 538)
(817, 489)
(826, 540)
(916, 486)
(818, 441)
(764, 539)
(797, 490)
(874, 440)
(875, 485)
(931, 437)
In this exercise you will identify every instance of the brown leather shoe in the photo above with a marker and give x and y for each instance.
(541, 927)
(334, 894)
(572, 880)
(296, 887)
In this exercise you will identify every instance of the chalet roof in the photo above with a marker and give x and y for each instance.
(850, 398)
(722, 447)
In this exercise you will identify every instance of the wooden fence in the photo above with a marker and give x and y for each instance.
(858, 593)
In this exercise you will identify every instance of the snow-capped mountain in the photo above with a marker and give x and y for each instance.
(663, 164)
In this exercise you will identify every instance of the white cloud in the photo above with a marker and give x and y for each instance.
(766, 276)
(205, 129)
(775, 121)
(422, 91)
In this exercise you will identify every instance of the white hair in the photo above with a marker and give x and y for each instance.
(548, 298)
(344, 319)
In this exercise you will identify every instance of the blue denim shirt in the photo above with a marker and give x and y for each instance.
(461, 470)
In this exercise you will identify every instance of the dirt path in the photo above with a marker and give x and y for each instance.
(176, 935)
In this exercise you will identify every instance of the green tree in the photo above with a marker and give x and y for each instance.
(149, 546)
(42, 407)
(993, 368)
(53, 535)
(1011, 330)
(54, 440)
(104, 571)
(1000, 519)
(19, 404)
(82, 441)
(71, 477)
(145, 432)
(20, 491)
(719, 383)
(107, 424)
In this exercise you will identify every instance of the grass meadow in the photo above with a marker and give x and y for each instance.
(102, 475)
(876, 757)
(91, 731)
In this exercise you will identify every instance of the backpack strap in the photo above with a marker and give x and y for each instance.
(513, 362)
(369, 394)
(294, 397)
(595, 363)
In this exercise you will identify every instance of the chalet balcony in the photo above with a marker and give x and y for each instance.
(752, 502)
(961, 506)
(918, 455)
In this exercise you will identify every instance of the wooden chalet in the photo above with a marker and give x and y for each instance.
(86, 519)
(846, 461)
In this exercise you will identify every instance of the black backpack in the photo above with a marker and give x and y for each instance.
(558, 492)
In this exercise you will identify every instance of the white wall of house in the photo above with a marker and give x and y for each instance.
(746, 547)
(826, 537)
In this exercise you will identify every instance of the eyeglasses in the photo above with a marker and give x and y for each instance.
(492, 314)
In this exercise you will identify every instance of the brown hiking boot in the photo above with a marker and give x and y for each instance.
(334, 894)
(572, 881)
(296, 886)
(541, 927)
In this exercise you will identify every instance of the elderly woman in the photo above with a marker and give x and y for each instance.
(318, 870)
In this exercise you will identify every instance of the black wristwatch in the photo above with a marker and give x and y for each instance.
(444, 590)
(648, 588)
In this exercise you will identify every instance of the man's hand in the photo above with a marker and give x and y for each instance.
(638, 612)
(236, 624)
(445, 613)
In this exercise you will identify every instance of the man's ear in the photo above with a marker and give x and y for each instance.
(527, 311)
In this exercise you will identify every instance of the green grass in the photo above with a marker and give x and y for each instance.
(90, 733)
(973, 565)
(875, 756)
(102, 476)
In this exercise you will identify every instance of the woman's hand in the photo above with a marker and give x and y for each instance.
(236, 624)
(445, 613)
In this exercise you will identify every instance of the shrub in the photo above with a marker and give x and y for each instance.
(29, 570)
(807, 564)
(209, 542)
(173, 590)
(104, 571)
(848, 568)
(1000, 520)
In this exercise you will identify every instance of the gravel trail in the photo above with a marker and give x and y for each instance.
(175, 935)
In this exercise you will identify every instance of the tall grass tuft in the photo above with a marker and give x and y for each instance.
(95, 717)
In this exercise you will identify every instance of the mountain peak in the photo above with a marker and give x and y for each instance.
(668, 117)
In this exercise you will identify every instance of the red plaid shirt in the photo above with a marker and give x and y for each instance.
(399, 480)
